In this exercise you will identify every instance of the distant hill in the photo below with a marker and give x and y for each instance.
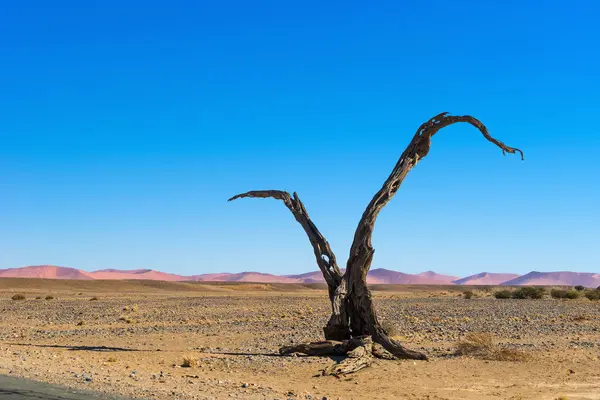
(244, 277)
(567, 278)
(309, 277)
(485, 278)
(375, 276)
(148, 274)
(45, 272)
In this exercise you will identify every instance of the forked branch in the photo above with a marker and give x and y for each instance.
(323, 253)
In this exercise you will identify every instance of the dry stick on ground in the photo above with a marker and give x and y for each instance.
(353, 314)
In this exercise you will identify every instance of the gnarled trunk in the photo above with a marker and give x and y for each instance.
(353, 314)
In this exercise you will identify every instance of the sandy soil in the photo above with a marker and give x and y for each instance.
(133, 338)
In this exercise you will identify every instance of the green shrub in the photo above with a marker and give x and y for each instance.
(593, 295)
(564, 294)
(18, 297)
(529, 292)
(580, 288)
(503, 294)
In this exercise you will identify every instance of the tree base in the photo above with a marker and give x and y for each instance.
(359, 352)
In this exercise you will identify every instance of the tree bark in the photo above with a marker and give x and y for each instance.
(353, 313)
(338, 327)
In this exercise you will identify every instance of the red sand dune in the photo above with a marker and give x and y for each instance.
(308, 277)
(45, 272)
(485, 278)
(138, 274)
(381, 275)
(376, 276)
(567, 278)
(244, 277)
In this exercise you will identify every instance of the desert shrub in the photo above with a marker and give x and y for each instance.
(126, 319)
(38, 297)
(49, 297)
(81, 323)
(481, 345)
(18, 297)
(94, 298)
(112, 359)
(189, 362)
(564, 294)
(593, 295)
(468, 294)
(529, 292)
(503, 294)
(579, 288)
(581, 318)
(389, 328)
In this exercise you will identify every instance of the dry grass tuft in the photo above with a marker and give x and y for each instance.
(389, 328)
(189, 361)
(481, 345)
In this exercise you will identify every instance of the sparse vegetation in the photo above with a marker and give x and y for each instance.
(49, 297)
(468, 294)
(503, 294)
(593, 295)
(111, 359)
(564, 294)
(389, 328)
(529, 292)
(481, 345)
(579, 288)
(126, 319)
(581, 318)
(94, 298)
(81, 323)
(189, 362)
(18, 296)
(38, 297)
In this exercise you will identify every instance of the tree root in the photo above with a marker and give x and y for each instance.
(359, 352)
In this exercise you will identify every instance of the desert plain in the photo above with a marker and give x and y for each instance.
(180, 340)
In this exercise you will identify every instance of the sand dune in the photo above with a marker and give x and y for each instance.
(376, 276)
(45, 272)
(556, 278)
(485, 278)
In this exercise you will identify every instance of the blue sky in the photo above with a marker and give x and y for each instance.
(125, 126)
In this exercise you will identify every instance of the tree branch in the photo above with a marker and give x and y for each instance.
(361, 251)
(323, 253)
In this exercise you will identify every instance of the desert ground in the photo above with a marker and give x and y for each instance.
(131, 338)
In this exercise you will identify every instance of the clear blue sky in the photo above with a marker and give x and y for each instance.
(126, 125)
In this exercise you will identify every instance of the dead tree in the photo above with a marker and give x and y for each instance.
(353, 327)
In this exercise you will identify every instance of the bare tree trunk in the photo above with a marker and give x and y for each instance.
(338, 327)
(353, 313)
